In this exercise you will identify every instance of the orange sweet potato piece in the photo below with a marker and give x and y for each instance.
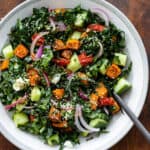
(59, 45)
(83, 76)
(54, 114)
(21, 51)
(113, 71)
(60, 10)
(59, 93)
(66, 54)
(33, 76)
(93, 101)
(4, 65)
(73, 44)
(62, 124)
(84, 34)
(102, 91)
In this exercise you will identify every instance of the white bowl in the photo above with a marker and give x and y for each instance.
(120, 124)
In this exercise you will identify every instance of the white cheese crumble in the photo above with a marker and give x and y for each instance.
(20, 84)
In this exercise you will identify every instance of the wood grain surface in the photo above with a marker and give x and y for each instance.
(138, 11)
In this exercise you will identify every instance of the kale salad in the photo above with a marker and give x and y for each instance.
(59, 71)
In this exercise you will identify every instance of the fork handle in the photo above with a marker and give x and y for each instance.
(132, 116)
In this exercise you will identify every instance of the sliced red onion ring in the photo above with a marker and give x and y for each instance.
(52, 23)
(82, 95)
(61, 26)
(70, 76)
(57, 25)
(101, 50)
(21, 100)
(84, 123)
(77, 123)
(50, 9)
(41, 34)
(39, 52)
(46, 79)
(102, 14)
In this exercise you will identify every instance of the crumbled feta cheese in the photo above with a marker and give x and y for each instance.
(68, 110)
(20, 84)
(56, 78)
(68, 144)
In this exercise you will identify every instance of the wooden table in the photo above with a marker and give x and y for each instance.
(138, 11)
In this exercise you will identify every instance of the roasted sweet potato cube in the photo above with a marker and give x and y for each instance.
(54, 114)
(73, 44)
(113, 71)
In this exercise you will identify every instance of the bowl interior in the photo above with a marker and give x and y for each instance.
(135, 98)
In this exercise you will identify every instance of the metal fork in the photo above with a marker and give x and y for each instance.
(132, 116)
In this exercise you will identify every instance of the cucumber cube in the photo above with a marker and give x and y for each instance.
(76, 35)
(74, 64)
(98, 123)
(20, 118)
(121, 86)
(8, 52)
(53, 140)
(120, 59)
(104, 66)
(35, 94)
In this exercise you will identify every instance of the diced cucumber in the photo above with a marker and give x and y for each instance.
(120, 59)
(80, 19)
(76, 35)
(8, 52)
(104, 66)
(20, 107)
(74, 64)
(98, 123)
(53, 140)
(20, 118)
(84, 134)
(35, 94)
(121, 86)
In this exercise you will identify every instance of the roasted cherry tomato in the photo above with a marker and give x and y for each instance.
(108, 101)
(84, 59)
(40, 41)
(32, 117)
(61, 61)
(96, 27)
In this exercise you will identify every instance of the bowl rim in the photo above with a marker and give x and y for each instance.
(139, 42)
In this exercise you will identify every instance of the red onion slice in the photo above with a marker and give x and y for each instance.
(102, 14)
(21, 100)
(52, 23)
(82, 95)
(101, 50)
(46, 79)
(39, 52)
(70, 76)
(41, 34)
(61, 26)
(84, 123)
(77, 123)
